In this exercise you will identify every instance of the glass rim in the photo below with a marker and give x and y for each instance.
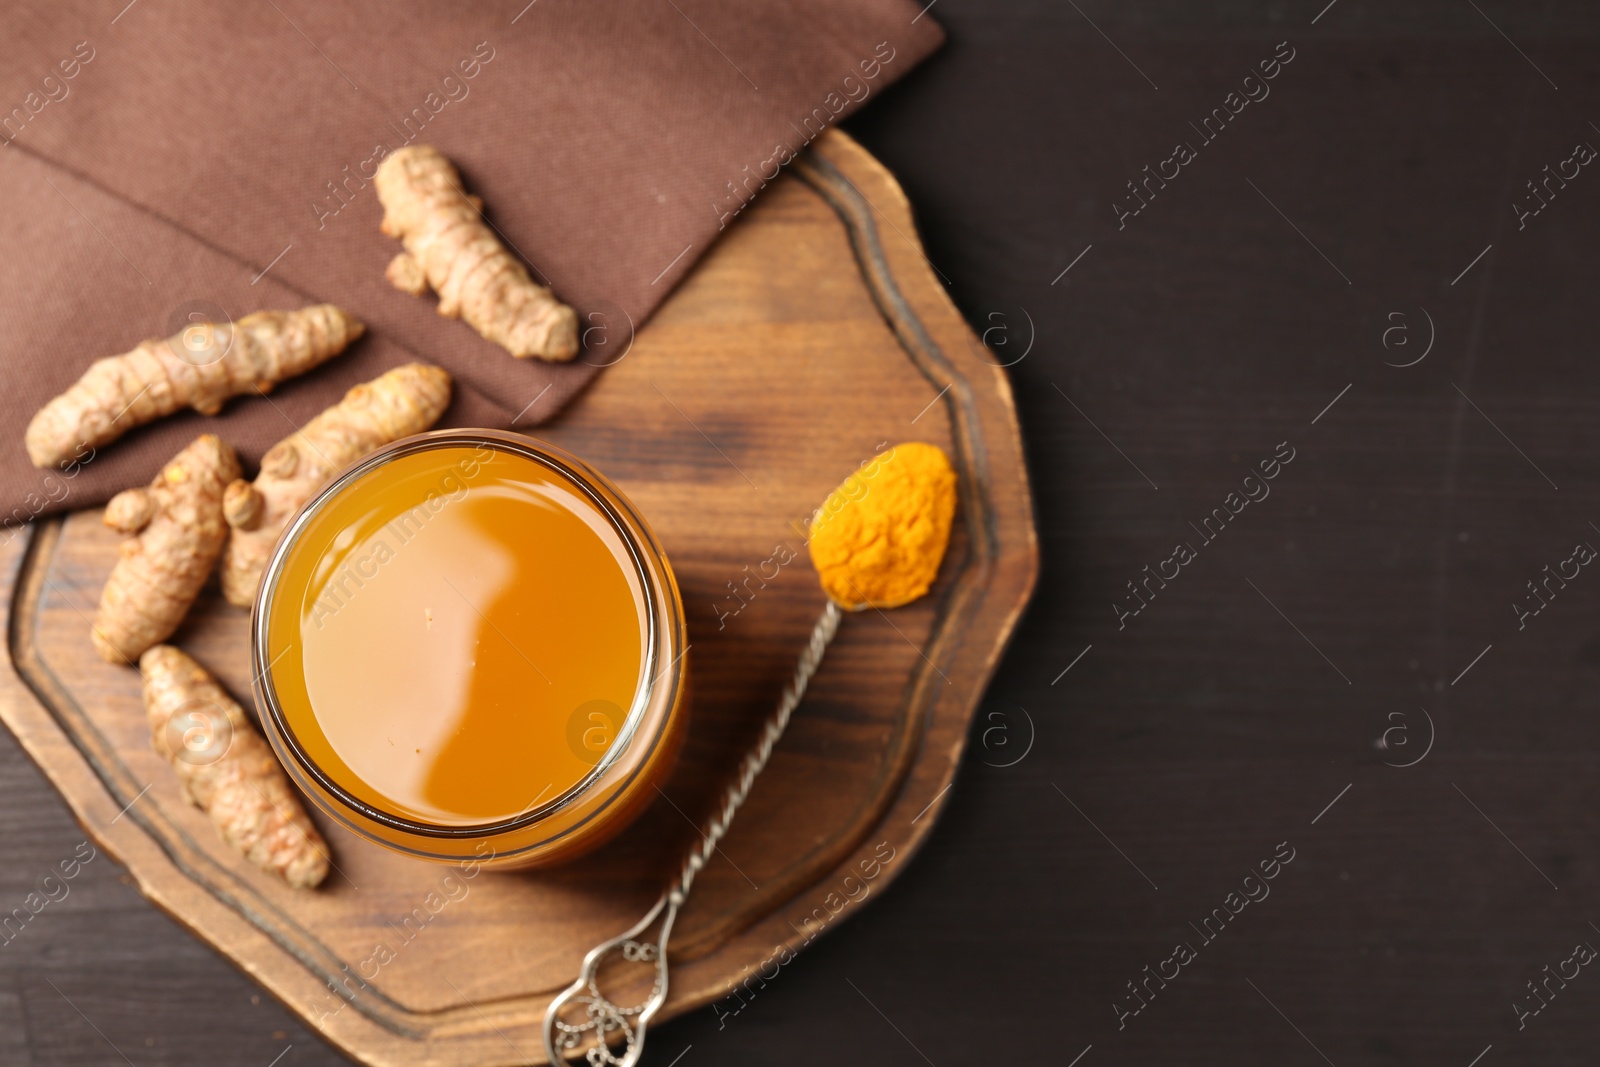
(619, 511)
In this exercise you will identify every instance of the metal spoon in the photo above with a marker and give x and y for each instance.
(603, 1021)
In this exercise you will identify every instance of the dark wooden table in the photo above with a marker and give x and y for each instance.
(1131, 771)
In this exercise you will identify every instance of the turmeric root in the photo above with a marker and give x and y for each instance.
(451, 248)
(200, 367)
(234, 777)
(180, 532)
(404, 401)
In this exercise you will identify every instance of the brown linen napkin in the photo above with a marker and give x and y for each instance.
(165, 155)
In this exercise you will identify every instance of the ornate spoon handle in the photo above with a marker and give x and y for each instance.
(602, 1020)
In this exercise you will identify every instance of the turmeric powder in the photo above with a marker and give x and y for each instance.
(201, 366)
(879, 538)
(451, 248)
(240, 785)
(176, 533)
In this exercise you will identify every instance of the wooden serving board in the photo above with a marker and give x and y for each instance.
(814, 333)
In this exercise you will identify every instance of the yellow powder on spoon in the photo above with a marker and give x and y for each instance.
(879, 538)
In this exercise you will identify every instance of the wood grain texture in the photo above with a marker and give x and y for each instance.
(812, 335)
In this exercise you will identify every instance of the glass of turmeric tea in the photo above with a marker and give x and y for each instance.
(469, 645)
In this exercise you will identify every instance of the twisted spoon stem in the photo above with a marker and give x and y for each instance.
(755, 761)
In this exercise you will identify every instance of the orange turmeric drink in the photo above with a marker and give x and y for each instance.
(469, 645)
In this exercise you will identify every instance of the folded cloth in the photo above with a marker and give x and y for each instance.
(162, 160)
